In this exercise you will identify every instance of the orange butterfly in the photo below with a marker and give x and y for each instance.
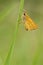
(28, 22)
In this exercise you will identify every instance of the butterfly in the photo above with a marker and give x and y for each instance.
(28, 22)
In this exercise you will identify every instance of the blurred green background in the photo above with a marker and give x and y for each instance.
(29, 44)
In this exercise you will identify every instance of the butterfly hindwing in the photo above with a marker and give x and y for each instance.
(28, 26)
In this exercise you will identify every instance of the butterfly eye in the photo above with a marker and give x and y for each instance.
(24, 14)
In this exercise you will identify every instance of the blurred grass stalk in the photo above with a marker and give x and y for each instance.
(10, 53)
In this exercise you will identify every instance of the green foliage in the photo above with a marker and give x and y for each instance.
(17, 46)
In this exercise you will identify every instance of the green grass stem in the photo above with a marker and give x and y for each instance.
(9, 57)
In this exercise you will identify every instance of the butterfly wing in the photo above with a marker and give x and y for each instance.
(33, 25)
(27, 26)
(30, 25)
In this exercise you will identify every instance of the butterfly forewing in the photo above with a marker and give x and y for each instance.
(30, 24)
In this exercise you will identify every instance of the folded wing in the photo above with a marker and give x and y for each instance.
(30, 25)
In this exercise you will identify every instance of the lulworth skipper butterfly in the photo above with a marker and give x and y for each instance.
(28, 22)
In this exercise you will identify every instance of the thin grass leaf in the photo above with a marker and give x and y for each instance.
(9, 57)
